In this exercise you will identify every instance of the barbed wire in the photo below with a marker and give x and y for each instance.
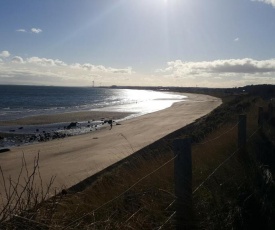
(221, 164)
(259, 128)
(143, 178)
(170, 204)
(120, 195)
(167, 220)
(219, 135)
(213, 172)
(146, 176)
(216, 169)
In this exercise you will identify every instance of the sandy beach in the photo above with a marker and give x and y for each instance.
(75, 158)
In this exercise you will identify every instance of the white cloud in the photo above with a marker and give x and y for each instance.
(5, 54)
(17, 59)
(270, 2)
(36, 70)
(32, 30)
(122, 71)
(217, 73)
(246, 65)
(101, 68)
(21, 30)
(236, 39)
(45, 61)
(36, 30)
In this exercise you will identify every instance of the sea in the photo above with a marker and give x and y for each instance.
(25, 101)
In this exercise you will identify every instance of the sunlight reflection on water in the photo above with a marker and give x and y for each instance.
(144, 106)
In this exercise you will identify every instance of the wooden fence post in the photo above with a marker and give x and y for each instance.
(183, 183)
(242, 132)
(261, 117)
(270, 110)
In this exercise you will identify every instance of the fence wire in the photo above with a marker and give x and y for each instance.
(72, 223)
(167, 220)
(214, 139)
(154, 171)
(120, 195)
(222, 163)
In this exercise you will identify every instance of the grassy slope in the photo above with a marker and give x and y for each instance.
(239, 195)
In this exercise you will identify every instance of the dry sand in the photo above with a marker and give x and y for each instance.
(75, 158)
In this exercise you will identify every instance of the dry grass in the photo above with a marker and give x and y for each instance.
(131, 207)
(139, 193)
(236, 195)
(23, 197)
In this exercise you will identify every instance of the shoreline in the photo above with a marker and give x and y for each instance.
(47, 127)
(44, 128)
(65, 117)
(76, 158)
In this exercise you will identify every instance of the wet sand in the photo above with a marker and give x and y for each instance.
(65, 117)
(75, 158)
(48, 127)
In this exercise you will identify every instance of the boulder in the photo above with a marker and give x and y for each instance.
(72, 125)
(4, 150)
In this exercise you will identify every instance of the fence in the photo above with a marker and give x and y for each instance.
(183, 168)
(184, 192)
(182, 204)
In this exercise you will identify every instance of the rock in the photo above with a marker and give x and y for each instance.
(31, 139)
(4, 150)
(72, 125)
(20, 128)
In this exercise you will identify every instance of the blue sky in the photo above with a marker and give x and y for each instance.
(206, 43)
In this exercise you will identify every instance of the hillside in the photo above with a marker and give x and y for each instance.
(232, 188)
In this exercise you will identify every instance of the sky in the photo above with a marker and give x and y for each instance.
(203, 43)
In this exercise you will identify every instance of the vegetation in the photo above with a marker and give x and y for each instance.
(232, 189)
